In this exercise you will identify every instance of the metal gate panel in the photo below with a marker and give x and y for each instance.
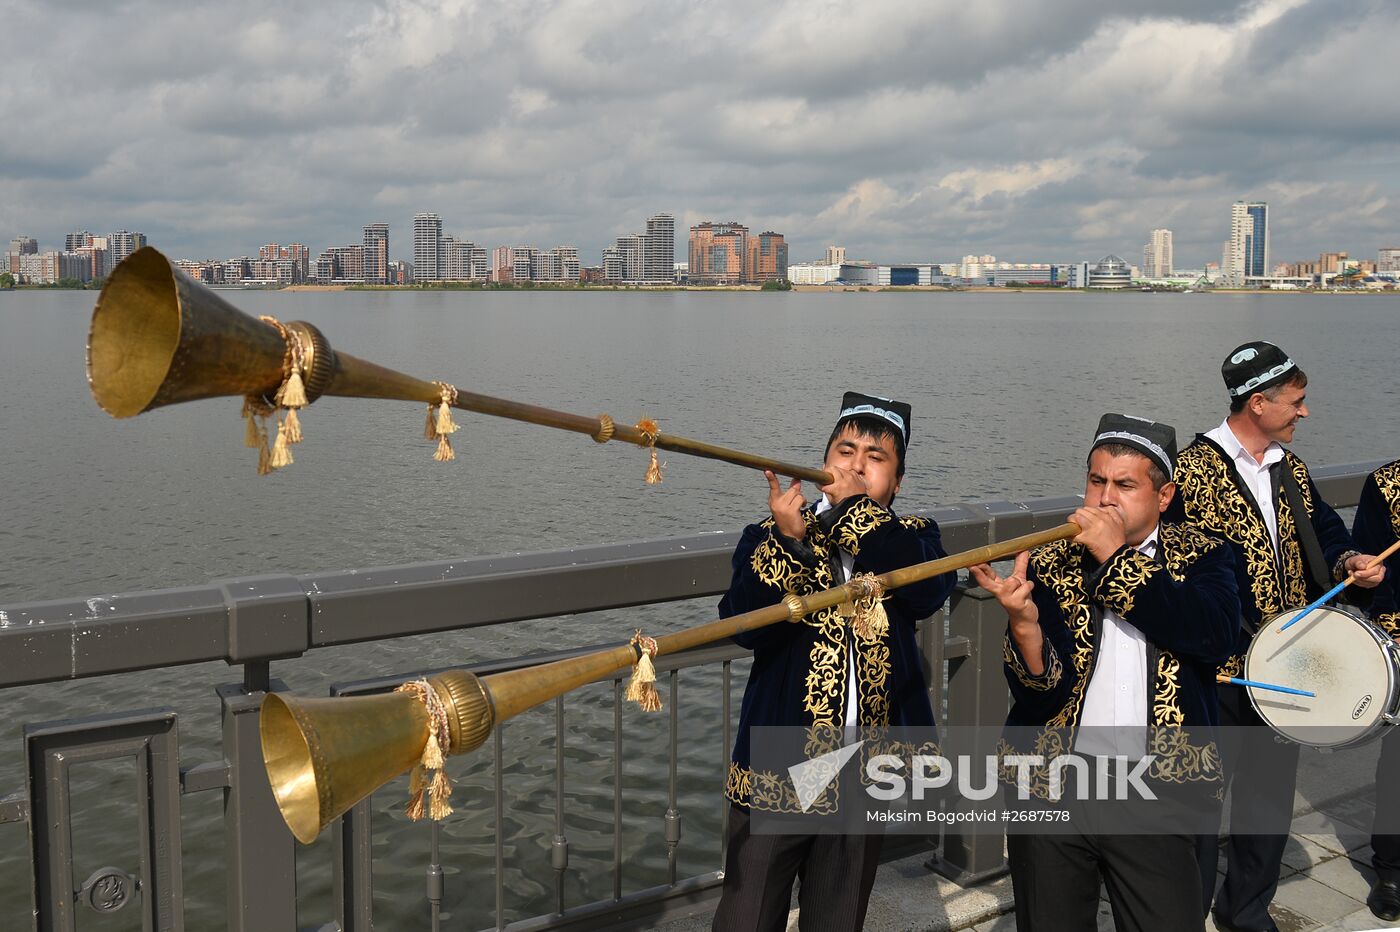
(149, 740)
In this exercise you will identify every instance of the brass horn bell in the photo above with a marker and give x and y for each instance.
(158, 338)
(325, 755)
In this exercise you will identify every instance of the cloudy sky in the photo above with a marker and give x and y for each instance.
(918, 130)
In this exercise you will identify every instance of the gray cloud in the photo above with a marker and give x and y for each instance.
(903, 130)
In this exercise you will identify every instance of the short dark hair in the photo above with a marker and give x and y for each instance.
(1297, 378)
(877, 429)
(1154, 469)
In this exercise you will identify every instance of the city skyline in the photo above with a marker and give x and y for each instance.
(1048, 132)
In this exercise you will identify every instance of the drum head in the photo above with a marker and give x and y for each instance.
(1337, 656)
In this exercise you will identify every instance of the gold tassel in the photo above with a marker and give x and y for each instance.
(649, 429)
(281, 453)
(415, 809)
(264, 454)
(293, 393)
(430, 426)
(250, 434)
(871, 623)
(439, 807)
(292, 426)
(432, 753)
(444, 452)
(641, 688)
(445, 424)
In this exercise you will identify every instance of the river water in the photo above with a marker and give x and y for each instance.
(1006, 390)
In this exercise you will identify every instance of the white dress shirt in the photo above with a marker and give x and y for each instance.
(1113, 720)
(1254, 474)
(848, 563)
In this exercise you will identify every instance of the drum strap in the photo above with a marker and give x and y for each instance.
(1302, 524)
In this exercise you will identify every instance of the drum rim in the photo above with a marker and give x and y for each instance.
(1381, 639)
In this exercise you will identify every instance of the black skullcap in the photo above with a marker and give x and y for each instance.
(1253, 367)
(1155, 441)
(897, 413)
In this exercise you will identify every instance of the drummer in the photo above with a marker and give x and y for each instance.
(1376, 527)
(1239, 482)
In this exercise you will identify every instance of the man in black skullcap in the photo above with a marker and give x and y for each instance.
(1111, 647)
(824, 673)
(1239, 482)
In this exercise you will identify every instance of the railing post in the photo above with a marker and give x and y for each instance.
(261, 862)
(977, 706)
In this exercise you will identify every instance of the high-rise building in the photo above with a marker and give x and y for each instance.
(562, 264)
(718, 252)
(644, 258)
(427, 247)
(101, 256)
(24, 245)
(612, 264)
(500, 265)
(301, 259)
(1157, 255)
(463, 260)
(123, 243)
(340, 264)
(376, 252)
(1332, 262)
(75, 241)
(767, 258)
(1248, 252)
(1388, 259)
(835, 255)
(660, 249)
(523, 264)
(632, 251)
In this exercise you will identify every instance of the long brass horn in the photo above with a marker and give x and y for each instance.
(325, 755)
(159, 338)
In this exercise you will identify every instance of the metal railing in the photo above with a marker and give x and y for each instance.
(255, 621)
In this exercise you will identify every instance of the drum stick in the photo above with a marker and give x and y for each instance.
(1376, 561)
(1238, 681)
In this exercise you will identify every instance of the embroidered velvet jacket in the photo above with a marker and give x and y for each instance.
(1186, 604)
(1211, 496)
(1376, 527)
(800, 671)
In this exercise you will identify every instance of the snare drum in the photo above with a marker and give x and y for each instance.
(1350, 665)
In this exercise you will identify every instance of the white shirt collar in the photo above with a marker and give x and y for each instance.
(1149, 544)
(1236, 450)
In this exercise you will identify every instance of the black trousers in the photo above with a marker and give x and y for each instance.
(1153, 882)
(1386, 859)
(836, 874)
(1261, 771)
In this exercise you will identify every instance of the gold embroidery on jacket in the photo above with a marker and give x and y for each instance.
(1060, 566)
(1214, 503)
(1166, 699)
(1054, 668)
(1388, 482)
(859, 519)
(1121, 578)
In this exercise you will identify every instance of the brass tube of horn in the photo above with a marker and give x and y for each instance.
(325, 755)
(159, 338)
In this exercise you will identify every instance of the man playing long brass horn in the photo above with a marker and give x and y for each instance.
(837, 668)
